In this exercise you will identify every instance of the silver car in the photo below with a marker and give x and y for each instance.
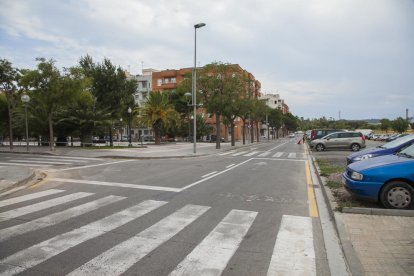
(343, 139)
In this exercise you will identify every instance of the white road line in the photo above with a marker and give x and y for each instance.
(229, 166)
(24, 165)
(116, 184)
(278, 154)
(41, 162)
(208, 174)
(239, 153)
(292, 155)
(228, 152)
(279, 159)
(43, 251)
(294, 253)
(59, 160)
(214, 175)
(77, 158)
(278, 146)
(251, 153)
(264, 154)
(56, 218)
(41, 206)
(96, 165)
(211, 256)
(120, 258)
(19, 199)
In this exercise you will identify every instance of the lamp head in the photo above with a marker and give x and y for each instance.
(199, 25)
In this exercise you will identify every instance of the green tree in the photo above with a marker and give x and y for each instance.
(275, 121)
(51, 90)
(111, 88)
(385, 124)
(258, 115)
(158, 112)
(290, 122)
(400, 125)
(8, 84)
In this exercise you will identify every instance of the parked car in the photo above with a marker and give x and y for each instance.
(148, 138)
(387, 179)
(395, 136)
(292, 135)
(386, 149)
(344, 139)
(319, 133)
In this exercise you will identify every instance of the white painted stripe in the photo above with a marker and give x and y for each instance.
(41, 206)
(278, 146)
(251, 153)
(116, 184)
(211, 256)
(19, 199)
(208, 174)
(229, 166)
(120, 258)
(228, 152)
(96, 165)
(59, 160)
(292, 155)
(294, 253)
(279, 159)
(41, 162)
(77, 158)
(239, 153)
(266, 153)
(24, 165)
(278, 154)
(214, 175)
(56, 218)
(43, 251)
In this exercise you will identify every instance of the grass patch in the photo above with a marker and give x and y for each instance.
(327, 168)
(333, 184)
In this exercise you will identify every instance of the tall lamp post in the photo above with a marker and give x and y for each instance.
(25, 98)
(197, 26)
(129, 126)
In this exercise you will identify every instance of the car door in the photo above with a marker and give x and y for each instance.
(345, 139)
(332, 140)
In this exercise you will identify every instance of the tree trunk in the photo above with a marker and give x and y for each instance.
(157, 133)
(111, 142)
(244, 132)
(10, 126)
(218, 130)
(257, 132)
(251, 131)
(233, 142)
(51, 139)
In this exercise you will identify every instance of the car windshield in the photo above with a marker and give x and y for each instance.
(408, 152)
(398, 142)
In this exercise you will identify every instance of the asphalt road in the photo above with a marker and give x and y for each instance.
(242, 212)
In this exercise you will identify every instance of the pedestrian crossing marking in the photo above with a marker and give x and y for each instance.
(228, 152)
(41, 206)
(19, 199)
(239, 153)
(120, 258)
(251, 153)
(56, 218)
(278, 154)
(264, 154)
(22, 164)
(293, 253)
(213, 253)
(59, 159)
(41, 162)
(292, 155)
(43, 251)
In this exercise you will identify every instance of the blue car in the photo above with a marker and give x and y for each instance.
(386, 179)
(386, 149)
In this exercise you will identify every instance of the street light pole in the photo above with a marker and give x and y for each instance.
(129, 126)
(199, 25)
(25, 98)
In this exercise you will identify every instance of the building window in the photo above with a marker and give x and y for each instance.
(159, 82)
(173, 80)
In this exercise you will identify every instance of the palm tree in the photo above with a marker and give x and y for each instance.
(158, 112)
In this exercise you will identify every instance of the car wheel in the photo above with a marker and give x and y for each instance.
(397, 195)
(319, 147)
(355, 147)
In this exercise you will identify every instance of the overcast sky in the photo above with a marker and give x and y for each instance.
(323, 57)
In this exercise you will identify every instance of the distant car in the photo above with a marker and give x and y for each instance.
(344, 139)
(395, 136)
(292, 135)
(148, 138)
(386, 149)
(319, 133)
(387, 179)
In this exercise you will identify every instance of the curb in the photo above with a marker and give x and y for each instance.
(378, 212)
(19, 183)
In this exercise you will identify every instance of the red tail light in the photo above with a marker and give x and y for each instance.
(363, 138)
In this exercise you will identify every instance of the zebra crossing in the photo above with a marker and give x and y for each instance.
(267, 154)
(293, 250)
(46, 161)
